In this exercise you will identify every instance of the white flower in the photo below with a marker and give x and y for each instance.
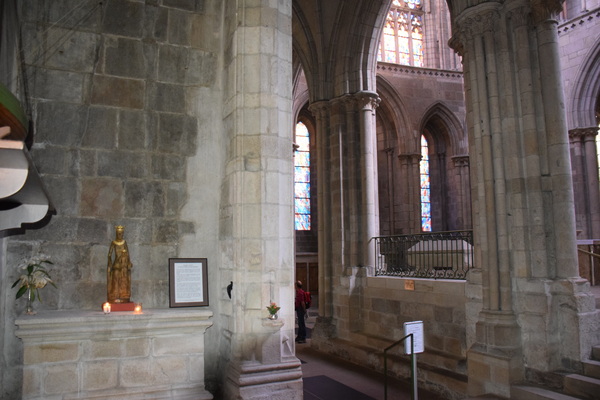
(36, 276)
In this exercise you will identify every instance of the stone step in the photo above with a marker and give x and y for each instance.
(537, 393)
(581, 386)
(591, 368)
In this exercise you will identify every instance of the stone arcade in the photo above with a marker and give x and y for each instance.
(175, 119)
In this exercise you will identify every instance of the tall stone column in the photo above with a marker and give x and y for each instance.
(523, 219)
(585, 177)
(347, 179)
(461, 167)
(256, 228)
(592, 183)
(410, 189)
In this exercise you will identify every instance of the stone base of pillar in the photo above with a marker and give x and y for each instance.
(253, 380)
(495, 361)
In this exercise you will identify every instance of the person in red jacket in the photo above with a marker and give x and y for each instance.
(300, 306)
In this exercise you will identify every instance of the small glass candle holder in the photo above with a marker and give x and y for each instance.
(106, 308)
(138, 308)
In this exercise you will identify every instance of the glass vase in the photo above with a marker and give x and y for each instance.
(273, 316)
(29, 307)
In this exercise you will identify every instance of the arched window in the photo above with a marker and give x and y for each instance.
(302, 179)
(402, 38)
(425, 186)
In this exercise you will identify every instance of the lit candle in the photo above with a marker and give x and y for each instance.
(106, 307)
(138, 308)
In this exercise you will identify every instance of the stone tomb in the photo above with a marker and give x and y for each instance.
(83, 354)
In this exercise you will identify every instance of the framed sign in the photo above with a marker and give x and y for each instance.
(188, 282)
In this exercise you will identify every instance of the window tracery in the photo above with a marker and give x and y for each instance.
(402, 38)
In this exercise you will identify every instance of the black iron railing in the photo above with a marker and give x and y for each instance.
(436, 255)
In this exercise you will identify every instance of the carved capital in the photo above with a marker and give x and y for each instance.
(367, 100)
(456, 44)
(583, 133)
(409, 158)
(319, 109)
(461, 161)
(519, 16)
(544, 10)
(477, 20)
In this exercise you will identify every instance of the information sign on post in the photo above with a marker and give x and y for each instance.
(416, 328)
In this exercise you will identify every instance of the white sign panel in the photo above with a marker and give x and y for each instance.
(416, 328)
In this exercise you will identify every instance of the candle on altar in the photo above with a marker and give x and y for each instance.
(106, 308)
(138, 308)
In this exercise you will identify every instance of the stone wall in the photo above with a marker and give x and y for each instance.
(123, 97)
(371, 316)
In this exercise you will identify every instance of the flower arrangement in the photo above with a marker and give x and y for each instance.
(35, 278)
(273, 308)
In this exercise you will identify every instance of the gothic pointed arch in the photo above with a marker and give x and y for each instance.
(392, 108)
(447, 179)
(438, 118)
(586, 92)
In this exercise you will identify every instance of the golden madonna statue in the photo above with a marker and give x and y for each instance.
(119, 270)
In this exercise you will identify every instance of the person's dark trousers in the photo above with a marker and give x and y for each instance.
(301, 326)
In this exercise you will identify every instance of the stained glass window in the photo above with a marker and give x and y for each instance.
(402, 38)
(425, 187)
(302, 179)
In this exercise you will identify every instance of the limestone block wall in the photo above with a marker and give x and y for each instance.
(158, 354)
(371, 318)
(123, 97)
(440, 304)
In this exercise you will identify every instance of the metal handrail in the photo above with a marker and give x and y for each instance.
(435, 255)
(412, 370)
(589, 253)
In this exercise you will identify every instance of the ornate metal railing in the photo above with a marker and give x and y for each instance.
(436, 255)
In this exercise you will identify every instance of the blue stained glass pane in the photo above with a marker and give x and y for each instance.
(302, 222)
(424, 181)
(426, 224)
(302, 190)
(302, 174)
(424, 166)
(424, 195)
(302, 206)
(302, 158)
(426, 209)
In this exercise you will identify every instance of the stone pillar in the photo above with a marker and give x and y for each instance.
(585, 181)
(410, 189)
(461, 167)
(257, 227)
(325, 163)
(347, 179)
(369, 228)
(523, 216)
(592, 182)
